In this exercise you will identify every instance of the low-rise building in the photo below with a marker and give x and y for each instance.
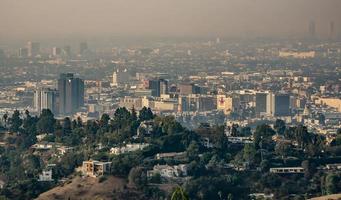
(172, 155)
(94, 168)
(168, 171)
(127, 148)
(43, 146)
(45, 176)
(287, 170)
(145, 128)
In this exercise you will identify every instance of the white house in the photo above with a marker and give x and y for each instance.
(168, 171)
(287, 170)
(46, 175)
(128, 148)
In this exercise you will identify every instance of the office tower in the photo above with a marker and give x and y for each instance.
(67, 51)
(83, 47)
(188, 103)
(56, 51)
(158, 87)
(23, 53)
(2, 57)
(261, 102)
(278, 104)
(312, 29)
(45, 98)
(120, 76)
(71, 93)
(33, 49)
(331, 30)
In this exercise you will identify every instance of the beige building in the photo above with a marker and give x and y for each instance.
(95, 168)
(227, 104)
(331, 102)
(130, 102)
(293, 54)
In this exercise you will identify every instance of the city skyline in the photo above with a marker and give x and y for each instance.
(221, 18)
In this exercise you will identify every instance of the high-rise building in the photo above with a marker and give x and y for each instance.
(23, 53)
(331, 30)
(278, 104)
(312, 29)
(186, 89)
(56, 51)
(261, 102)
(45, 98)
(33, 48)
(71, 93)
(83, 47)
(120, 77)
(158, 87)
(67, 51)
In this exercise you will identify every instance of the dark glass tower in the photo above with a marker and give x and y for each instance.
(71, 93)
(158, 87)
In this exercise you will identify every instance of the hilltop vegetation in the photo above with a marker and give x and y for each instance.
(216, 167)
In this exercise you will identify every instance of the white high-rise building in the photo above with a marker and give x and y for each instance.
(45, 98)
(120, 77)
(33, 49)
(278, 104)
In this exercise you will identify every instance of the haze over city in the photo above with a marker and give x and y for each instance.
(170, 99)
(52, 19)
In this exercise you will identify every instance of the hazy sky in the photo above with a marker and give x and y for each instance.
(60, 18)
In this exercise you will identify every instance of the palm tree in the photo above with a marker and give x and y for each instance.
(5, 117)
(179, 194)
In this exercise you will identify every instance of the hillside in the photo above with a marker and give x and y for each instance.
(85, 188)
(328, 197)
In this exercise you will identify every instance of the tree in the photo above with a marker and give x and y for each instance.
(263, 136)
(146, 114)
(30, 124)
(331, 183)
(246, 131)
(249, 153)
(234, 129)
(137, 176)
(67, 129)
(338, 131)
(79, 122)
(15, 121)
(46, 122)
(309, 168)
(280, 126)
(5, 117)
(179, 194)
(302, 136)
(193, 151)
(283, 149)
(104, 121)
(133, 114)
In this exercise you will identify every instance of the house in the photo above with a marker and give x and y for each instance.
(168, 171)
(335, 166)
(43, 146)
(45, 176)
(206, 142)
(261, 196)
(40, 137)
(128, 148)
(94, 168)
(145, 128)
(64, 149)
(240, 140)
(287, 170)
(172, 155)
(2, 184)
